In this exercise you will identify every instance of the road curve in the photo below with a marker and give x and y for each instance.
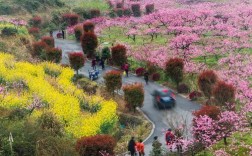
(160, 118)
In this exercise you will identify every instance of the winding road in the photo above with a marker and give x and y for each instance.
(160, 118)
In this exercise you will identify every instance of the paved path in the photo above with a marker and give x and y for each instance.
(183, 108)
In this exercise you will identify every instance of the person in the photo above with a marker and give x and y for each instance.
(102, 64)
(126, 69)
(156, 146)
(63, 34)
(131, 146)
(140, 147)
(93, 64)
(51, 33)
(169, 137)
(146, 77)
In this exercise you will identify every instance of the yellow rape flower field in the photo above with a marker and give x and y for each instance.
(62, 98)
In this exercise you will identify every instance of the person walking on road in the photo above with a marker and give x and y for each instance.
(126, 69)
(51, 33)
(146, 77)
(102, 64)
(169, 138)
(156, 147)
(93, 64)
(63, 34)
(131, 146)
(140, 147)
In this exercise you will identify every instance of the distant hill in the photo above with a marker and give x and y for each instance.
(13, 7)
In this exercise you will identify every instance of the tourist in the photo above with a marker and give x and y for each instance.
(63, 34)
(93, 64)
(102, 64)
(156, 146)
(140, 147)
(126, 69)
(146, 77)
(131, 146)
(169, 138)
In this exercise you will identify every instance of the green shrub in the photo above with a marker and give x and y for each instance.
(9, 31)
(136, 9)
(106, 53)
(3, 46)
(88, 86)
(18, 113)
(92, 145)
(113, 81)
(129, 120)
(151, 68)
(5, 9)
(48, 122)
(84, 13)
(149, 8)
(90, 108)
(55, 146)
(30, 139)
(133, 95)
(51, 72)
(127, 12)
(95, 13)
(31, 6)
(119, 12)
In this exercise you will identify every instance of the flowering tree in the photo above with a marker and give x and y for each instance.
(228, 122)
(204, 130)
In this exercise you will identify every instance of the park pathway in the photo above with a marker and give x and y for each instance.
(160, 118)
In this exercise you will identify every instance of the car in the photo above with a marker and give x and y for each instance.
(164, 98)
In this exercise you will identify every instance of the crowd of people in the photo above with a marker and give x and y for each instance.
(137, 148)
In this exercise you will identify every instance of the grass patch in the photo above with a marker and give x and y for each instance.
(118, 34)
(238, 145)
(88, 4)
(210, 60)
(246, 51)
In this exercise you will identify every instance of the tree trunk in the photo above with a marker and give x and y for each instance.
(216, 57)
(225, 141)
(204, 59)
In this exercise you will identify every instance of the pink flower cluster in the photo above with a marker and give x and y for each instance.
(207, 131)
(14, 21)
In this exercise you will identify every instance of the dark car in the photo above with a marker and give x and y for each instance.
(164, 98)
